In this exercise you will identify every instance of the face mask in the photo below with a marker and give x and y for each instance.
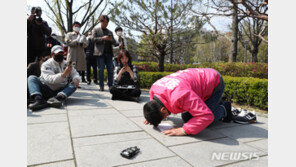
(77, 29)
(119, 33)
(59, 58)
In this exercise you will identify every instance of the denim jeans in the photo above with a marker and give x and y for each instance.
(214, 102)
(36, 87)
(105, 59)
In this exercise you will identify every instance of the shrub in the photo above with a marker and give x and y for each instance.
(256, 70)
(241, 90)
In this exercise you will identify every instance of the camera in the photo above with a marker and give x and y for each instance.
(38, 19)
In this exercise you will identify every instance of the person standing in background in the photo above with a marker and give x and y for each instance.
(76, 43)
(120, 43)
(103, 39)
(37, 28)
(91, 61)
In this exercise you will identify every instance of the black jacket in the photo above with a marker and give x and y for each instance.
(89, 50)
(36, 35)
(125, 77)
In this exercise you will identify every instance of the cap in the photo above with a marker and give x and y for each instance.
(56, 49)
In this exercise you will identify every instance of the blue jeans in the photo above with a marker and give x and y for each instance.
(105, 59)
(214, 102)
(36, 87)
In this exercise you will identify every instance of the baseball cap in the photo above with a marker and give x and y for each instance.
(56, 49)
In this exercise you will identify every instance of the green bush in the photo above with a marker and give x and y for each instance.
(241, 90)
(256, 70)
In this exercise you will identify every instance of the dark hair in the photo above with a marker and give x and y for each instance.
(118, 28)
(126, 53)
(76, 22)
(152, 112)
(103, 17)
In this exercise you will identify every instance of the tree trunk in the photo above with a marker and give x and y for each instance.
(234, 38)
(161, 62)
(70, 18)
(255, 55)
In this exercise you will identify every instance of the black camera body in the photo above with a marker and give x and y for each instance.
(38, 19)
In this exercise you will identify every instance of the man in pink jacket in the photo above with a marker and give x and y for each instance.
(196, 93)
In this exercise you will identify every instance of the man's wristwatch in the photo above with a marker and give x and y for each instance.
(184, 131)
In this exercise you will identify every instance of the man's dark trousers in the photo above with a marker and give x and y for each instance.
(91, 61)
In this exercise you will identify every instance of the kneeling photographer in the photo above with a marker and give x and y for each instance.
(37, 28)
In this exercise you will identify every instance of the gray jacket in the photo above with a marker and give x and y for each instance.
(99, 43)
(51, 74)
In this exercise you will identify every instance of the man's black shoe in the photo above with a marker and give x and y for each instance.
(96, 82)
(101, 89)
(229, 116)
(38, 105)
(88, 82)
(54, 102)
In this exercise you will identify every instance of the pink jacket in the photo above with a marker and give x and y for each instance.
(186, 91)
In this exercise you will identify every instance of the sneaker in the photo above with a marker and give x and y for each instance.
(236, 111)
(54, 102)
(38, 105)
(246, 117)
(229, 115)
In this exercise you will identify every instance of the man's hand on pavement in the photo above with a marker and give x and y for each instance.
(174, 132)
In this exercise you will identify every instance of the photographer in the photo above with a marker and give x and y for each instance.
(126, 86)
(37, 28)
(57, 82)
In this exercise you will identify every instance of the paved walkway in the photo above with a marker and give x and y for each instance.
(91, 130)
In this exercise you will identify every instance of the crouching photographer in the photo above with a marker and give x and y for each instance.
(126, 86)
(37, 28)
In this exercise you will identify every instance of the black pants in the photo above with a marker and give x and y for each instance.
(82, 74)
(124, 94)
(91, 61)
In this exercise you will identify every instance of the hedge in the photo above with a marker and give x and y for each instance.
(241, 90)
(256, 70)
